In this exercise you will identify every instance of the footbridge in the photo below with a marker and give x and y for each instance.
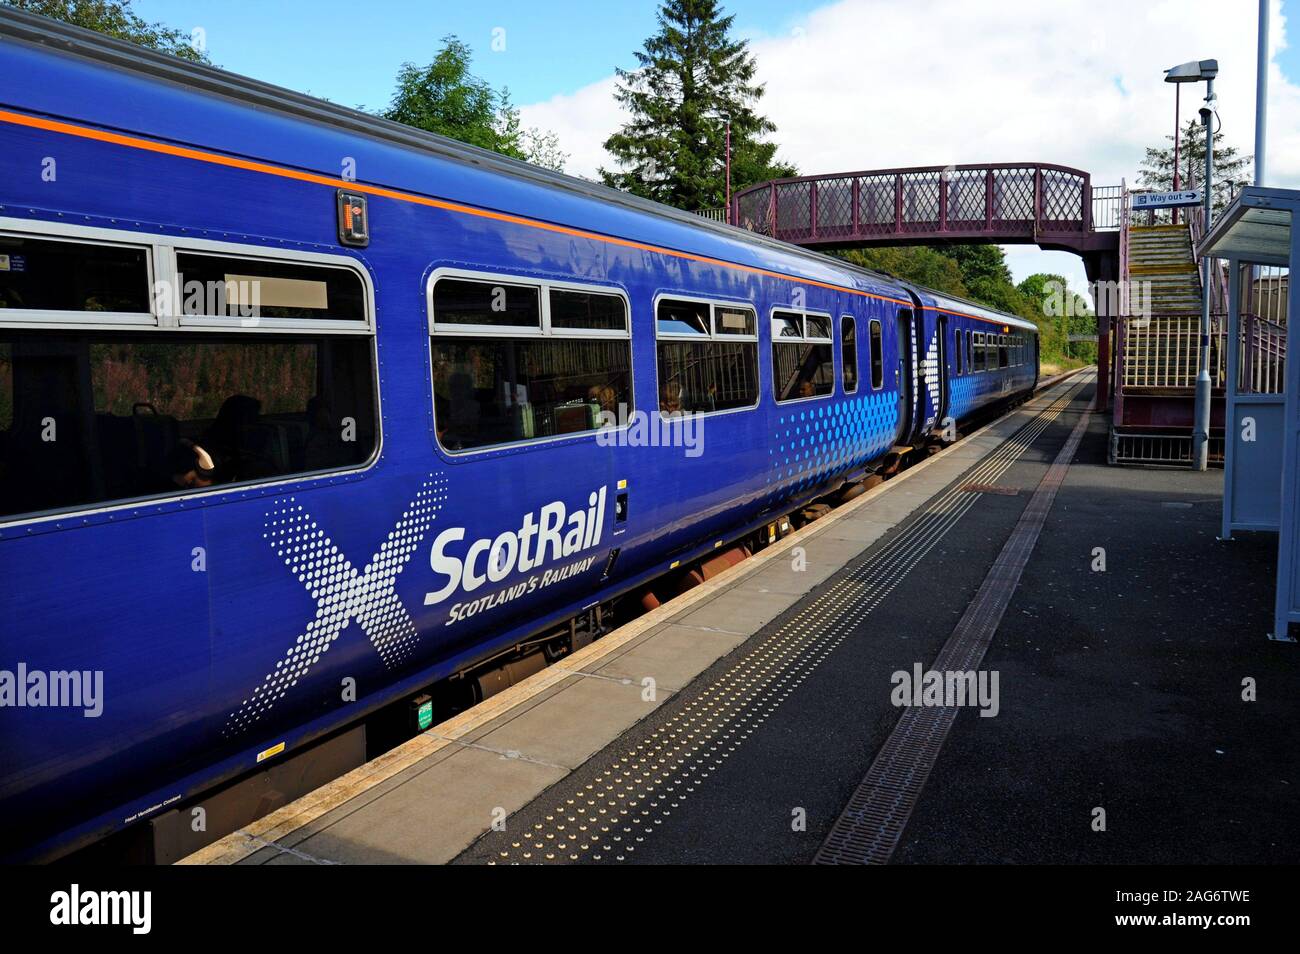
(1020, 203)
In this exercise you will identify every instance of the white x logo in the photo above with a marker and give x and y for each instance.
(341, 593)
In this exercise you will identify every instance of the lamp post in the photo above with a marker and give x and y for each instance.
(1195, 72)
(728, 216)
(1261, 92)
(1178, 89)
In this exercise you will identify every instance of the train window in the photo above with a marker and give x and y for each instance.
(500, 377)
(674, 317)
(227, 286)
(1004, 355)
(979, 351)
(700, 373)
(486, 304)
(876, 348)
(734, 321)
(805, 367)
(89, 418)
(787, 325)
(587, 310)
(41, 274)
(849, 353)
(957, 352)
(990, 352)
(970, 361)
(818, 327)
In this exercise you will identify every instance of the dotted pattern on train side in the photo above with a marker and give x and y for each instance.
(813, 444)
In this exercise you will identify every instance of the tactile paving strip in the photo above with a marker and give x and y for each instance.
(606, 819)
(869, 829)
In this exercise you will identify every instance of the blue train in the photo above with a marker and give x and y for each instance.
(302, 411)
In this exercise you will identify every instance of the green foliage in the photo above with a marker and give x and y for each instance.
(980, 273)
(692, 78)
(446, 98)
(1231, 169)
(115, 18)
(1059, 312)
(918, 263)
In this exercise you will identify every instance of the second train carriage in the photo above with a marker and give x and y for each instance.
(443, 405)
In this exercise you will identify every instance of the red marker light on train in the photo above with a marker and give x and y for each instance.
(354, 221)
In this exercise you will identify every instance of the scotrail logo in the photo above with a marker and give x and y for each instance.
(341, 592)
(552, 534)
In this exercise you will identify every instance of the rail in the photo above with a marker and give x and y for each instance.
(1263, 329)
(1163, 351)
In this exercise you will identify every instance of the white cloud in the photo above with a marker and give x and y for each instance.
(868, 84)
(582, 121)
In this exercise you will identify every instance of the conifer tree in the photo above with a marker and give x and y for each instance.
(1232, 170)
(693, 77)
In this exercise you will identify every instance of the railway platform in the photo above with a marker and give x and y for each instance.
(1121, 681)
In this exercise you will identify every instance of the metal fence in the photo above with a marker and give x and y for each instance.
(1107, 202)
(1264, 292)
(1163, 352)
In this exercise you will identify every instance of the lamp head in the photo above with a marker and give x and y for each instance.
(1193, 71)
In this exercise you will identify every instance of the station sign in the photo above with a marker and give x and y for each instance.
(1167, 200)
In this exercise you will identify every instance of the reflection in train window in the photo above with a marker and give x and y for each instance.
(802, 368)
(93, 417)
(41, 274)
(699, 372)
(674, 317)
(236, 286)
(499, 381)
(587, 310)
(491, 304)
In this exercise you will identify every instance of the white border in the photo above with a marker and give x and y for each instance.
(803, 314)
(161, 259)
(543, 285)
(712, 336)
(162, 262)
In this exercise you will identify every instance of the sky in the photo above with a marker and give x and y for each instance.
(850, 84)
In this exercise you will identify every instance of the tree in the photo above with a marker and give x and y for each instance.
(980, 273)
(691, 79)
(446, 98)
(1231, 169)
(916, 263)
(115, 18)
(1059, 312)
(985, 274)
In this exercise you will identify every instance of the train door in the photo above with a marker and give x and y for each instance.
(906, 375)
(941, 371)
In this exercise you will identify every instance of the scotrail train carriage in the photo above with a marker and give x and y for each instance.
(302, 411)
